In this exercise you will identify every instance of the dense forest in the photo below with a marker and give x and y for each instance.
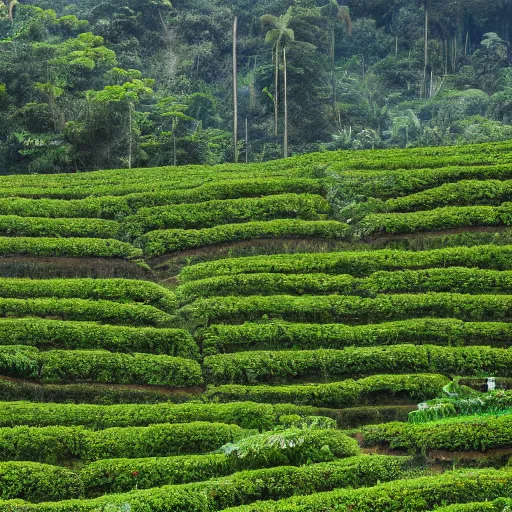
(133, 83)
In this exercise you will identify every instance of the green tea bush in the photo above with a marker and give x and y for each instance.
(231, 211)
(452, 279)
(54, 445)
(438, 219)
(358, 264)
(499, 505)
(157, 243)
(57, 334)
(375, 390)
(328, 365)
(36, 482)
(67, 247)
(476, 433)
(418, 494)
(245, 414)
(98, 366)
(347, 309)
(86, 309)
(243, 487)
(121, 290)
(12, 225)
(221, 338)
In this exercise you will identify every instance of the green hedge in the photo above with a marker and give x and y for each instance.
(88, 393)
(328, 365)
(418, 494)
(246, 414)
(359, 264)
(98, 366)
(87, 310)
(375, 390)
(12, 225)
(347, 309)
(157, 243)
(452, 279)
(57, 334)
(499, 505)
(439, 219)
(462, 193)
(281, 335)
(122, 290)
(36, 482)
(231, 211)
(53, 445)
(67, 247)
(453, 434)
(243, 487)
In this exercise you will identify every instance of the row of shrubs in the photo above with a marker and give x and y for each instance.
(259, 414)
(231, 211)
(416, 494)
(86, 309)
(311, 486)
(122, 290)
(458, 434)
(375, 390)
(347, 309)
(221, 338)
(438, 219)
(116, 207)
(67, 247)
(98, 366)
(63, 445)
(499, 505)
(451, 279)
(357, 263)
(58, 334)
(157, 243)
(329, 365)
(123, 475)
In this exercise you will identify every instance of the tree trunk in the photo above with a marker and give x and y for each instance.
(235, 92)
(285, 105)
(426, 54)
(130, 135)
(276, 93)
(174, 149)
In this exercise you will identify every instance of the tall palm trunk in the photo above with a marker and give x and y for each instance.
(285, 105)
(426, 53)
(235, 92)
(276, 92)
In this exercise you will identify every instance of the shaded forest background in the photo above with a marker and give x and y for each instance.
(123, 83)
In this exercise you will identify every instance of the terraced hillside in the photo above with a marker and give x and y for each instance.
(258, 338)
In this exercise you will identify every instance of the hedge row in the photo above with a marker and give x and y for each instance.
(359, 264)
(439, 219)
(347, 309)
(353, 483)
(114, 207)
(157, 243)
(375, 390)
(478, 433)
(452, 279)
(99, 289)
(57, 334)
(54, 445)
(245, 414)
(98, 366)
(280, 335)
(349, 186)
(87, 310)
(499, 505)
(12, 225)
(462, 193)
(243, 487)
(67, 247)
(414, 495)
(212, 213)
(329, 365)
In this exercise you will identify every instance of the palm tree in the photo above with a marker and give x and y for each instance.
(278, 35)
(337, 13)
